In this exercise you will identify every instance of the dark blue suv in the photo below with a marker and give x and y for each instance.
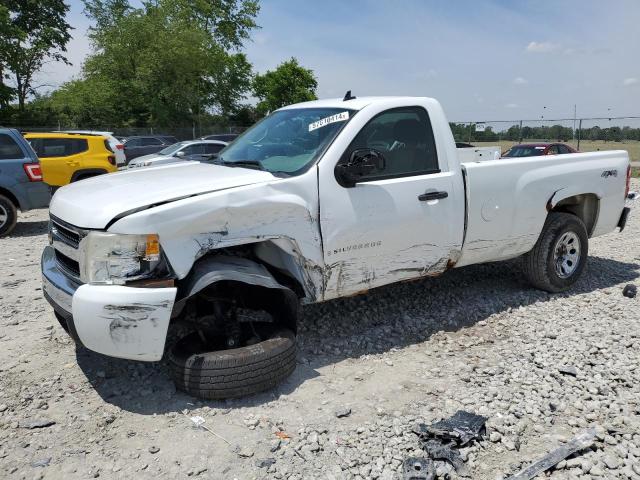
(21, 185)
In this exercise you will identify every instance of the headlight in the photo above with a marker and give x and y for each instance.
(113, 258)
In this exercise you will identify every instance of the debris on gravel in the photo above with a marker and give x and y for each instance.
(343, 412)
(42, 462)
(441, 440)
(582, 441)
(477, 339)
(39, 423)
(568, 370)
(418, 468)
(630, 291)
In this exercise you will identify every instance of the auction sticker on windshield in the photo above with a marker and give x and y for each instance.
(338, 117)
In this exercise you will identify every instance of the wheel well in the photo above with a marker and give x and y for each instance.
(584, 206)
(238, 276)
(273, 257)
(82, 174)
(10, 196)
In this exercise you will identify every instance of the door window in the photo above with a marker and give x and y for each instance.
(58, 147)
(212, 148)
(563, 149)
(553, 150)
(404, 137)
(9, 149)
(150, 141)
(194, 149)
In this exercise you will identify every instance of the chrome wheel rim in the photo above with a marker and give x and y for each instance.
(4, 216)
(566, 254)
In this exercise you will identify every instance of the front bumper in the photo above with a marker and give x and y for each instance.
(114, 320)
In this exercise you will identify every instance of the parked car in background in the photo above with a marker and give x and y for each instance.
(187, 150)
(470, 153)
(21, 185)
(117, 147)
(69, 157)
(139, 145)
(537, 149)
(225, 137)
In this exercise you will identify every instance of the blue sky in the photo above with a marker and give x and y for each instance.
(491, 59)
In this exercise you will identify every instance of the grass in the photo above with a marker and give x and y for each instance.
(635, 172)
(631, 146)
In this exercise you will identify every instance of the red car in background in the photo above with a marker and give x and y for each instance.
(537, 149)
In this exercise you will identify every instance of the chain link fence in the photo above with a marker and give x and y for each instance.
(181, 133)
(584, 134)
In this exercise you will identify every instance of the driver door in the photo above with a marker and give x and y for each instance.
(399, 222)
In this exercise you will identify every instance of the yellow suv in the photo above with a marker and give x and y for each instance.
(69, 157)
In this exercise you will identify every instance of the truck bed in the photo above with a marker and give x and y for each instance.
(507, 200)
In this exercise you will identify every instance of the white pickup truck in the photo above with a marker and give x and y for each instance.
(317, 201)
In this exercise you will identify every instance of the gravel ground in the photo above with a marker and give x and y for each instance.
(541, 367)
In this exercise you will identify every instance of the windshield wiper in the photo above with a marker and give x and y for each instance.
(218, 160)
(243, 163)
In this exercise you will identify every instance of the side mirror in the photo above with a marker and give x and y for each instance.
(180, 154)
(362, 162)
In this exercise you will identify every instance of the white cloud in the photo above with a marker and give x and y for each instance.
(627, 82)
(511, 105)
(428, 75)
(261, 38)
(520, 81)
(541, 47)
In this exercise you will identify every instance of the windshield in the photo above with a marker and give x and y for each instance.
(287, 140)
(171, 149)
(524, 151)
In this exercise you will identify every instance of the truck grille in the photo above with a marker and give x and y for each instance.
(70, 237)
(65, 239)
(69, 267)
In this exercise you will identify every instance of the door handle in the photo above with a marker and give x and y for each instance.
(425, 197)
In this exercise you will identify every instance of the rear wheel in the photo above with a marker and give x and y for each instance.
(8, 216)
(559, 256)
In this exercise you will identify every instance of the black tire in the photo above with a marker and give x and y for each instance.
(8, 216)
(540, 266)
(232, 373)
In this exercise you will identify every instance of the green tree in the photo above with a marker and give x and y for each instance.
(32, 33)
(288, 83)
(7, 32)
(168, 62)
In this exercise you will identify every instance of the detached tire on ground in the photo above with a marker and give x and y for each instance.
(559, 256)
(232, 373)
(8, 216)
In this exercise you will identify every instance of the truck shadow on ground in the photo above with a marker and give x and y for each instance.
(388, 317)
(30, 229)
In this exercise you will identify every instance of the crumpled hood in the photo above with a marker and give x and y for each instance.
(94, 202)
